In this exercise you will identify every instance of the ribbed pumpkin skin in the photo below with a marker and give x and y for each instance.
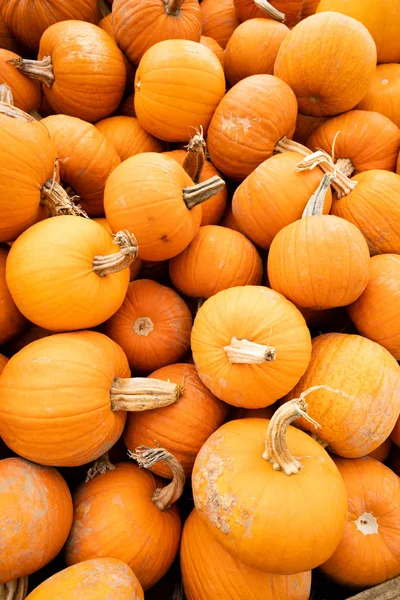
(7, 40)
(367, 559)
(383, 93)
(259, 315)
(181, 428)
(249, 121)
(334, 78)
(374, 207)
(219, 20)
(213, 45)
(376, 310)
(178, 86)
(94, 579)
(36, 508)
(28, 23)
(361, 417)
(11, 320)
(27, 94)
(92, 88)
(67, 377)
(273, 196)
(246, 9)
(115, 517)
(232, 580)
(86, 159)
(128, 137)
(371, 140)
(248, 506)
(382, 19)
(83, 298)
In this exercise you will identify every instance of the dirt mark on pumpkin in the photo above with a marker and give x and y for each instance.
(234, 125)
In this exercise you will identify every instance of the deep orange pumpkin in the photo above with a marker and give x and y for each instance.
(27, 94)
(11, 320)
(215, 47)
(305, 126)
(229, 220)
(7, 40)
(383, 93)
(218, 19)
(128, 137)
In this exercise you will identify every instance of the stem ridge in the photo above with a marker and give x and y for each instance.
(113, 263)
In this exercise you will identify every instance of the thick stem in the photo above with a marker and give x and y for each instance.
(113, 263)
(270, 11)
(143, 393)
(196, 194)
(56, 199)
(15, 113)
(99, 467)
(42, 70)
(146, 457)
(315, 205)
(195, 156)
(346, 166)
(14, 590)
(6, 95)
(173, 7)
(244, 352)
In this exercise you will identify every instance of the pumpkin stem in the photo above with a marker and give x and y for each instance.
(113, 263)
(104, 8)
(196, 194)
(56, 199)
(17, 589)
(6, 95)
(345, 166)
(15, 113)
(99, 467)
(195, 156)
(173, 7)
(35, 69)
(270, 11)
(315, 205)
(244, 352)
(142, 393)
(146, 457)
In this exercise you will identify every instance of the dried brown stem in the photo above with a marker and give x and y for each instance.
(99, 467)
(143, 393)
(6, 95)
(42, 70)
(315, 205)
(196, 194)
(15, 113)
(56, 199)
(17, 589)
(173, 7)
(270, 10)
(244, 352)
(345, 166)
(195, 156)
(113, 263)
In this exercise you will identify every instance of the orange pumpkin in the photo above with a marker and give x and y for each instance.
(214, 47)
(250, 345)
(178, 86)
(252, 48)
(328, 60)
(7, 40)
(218, 20)
(86, 159)
(232, 580)
(91, 580)
(106, 25)
(369, 552)
(127, 108)
(11, 320)
(249, 121)
(3, 362)
(27, 94)
(128, 137)
(305, 126)
(360, 408)
(136, 29)
(383, 93)
(152, 326)
(382, 452)
(229, 220)
(181, 428)
(218, 258)
(282, 10)
(38, 506)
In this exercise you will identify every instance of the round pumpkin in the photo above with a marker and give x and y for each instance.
(214, 47)
(11, 320)
(218, 20)
(37, 514)
(106, 24)
(127, 136)
(359, 410)
(250, 345)
(91, 580)
(200, 553)
(368, 553)
(178, 86)
(327, 74)
(383, 93)
(27, 94)
(152, 326)
(249, 121)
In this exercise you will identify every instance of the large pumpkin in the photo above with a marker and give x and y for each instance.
(360, 406)
(328, 60)
(250, 345)
(178, 86)
(383, 93)
(26, 93)
(11, 320)
(218, 20)
(128, 137)
(233, 580)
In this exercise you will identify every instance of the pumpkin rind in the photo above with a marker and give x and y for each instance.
(383, 93)
(11, 320)
(214, 47)
(127, 136)
(218, 20)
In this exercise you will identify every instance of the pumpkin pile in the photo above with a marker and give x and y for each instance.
(199, 299)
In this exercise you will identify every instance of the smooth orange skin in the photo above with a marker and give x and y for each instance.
(300, 264)
(181, 428)
(292, 9)
(218, 20)
(128, 137)
(365, 560)
(11, 320)
(3, 362)
(86, 159)
(382, 452)
(36, 516)
(178, 86)
(374, 207)
(210, 43)
(380, 17)
(376, 310)
(305, 126)
(260, 315)
(92, 88)
(336, 77)
(248, 506)
(83, 298)
(218, 258)
(370, 139)
(27, 93)
(55, 399)
(137, 27)
(115, 517)
(229, 220)
(252, 48)
(94, 579)
(231, 580)
(383, 93)
(357, 421)
(273, 196)
(106, 25)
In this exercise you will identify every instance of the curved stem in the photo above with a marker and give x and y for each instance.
(195, 156)
(173, 7)
(17, 589)
(113, 263)
(196, 194)
(6, 95)
(142, 393)
(42, 70)
(270, 11)
(146, 457)
(244, 352)
(315, 205)
(56, 199)
(15, 113)
(99, 467)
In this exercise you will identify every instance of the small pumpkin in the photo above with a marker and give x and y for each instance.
(152, 326)
(27, 94)
(218, 20)
(11, 320)
(328, 60)
(127, 136)
(383, 93)
(215, 47)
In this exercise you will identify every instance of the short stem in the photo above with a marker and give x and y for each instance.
(143, 393)
(172, 7)
(244, 352)
(56, 199)
(315, 205)
(269, 10)
(15, 113)
(146, 457)
(286, 145)
(113, 263)
(99, 467)
(36, 69)
(196, 194)
(195, 156)
(6, 95)
(17, 589)
(346, 166)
